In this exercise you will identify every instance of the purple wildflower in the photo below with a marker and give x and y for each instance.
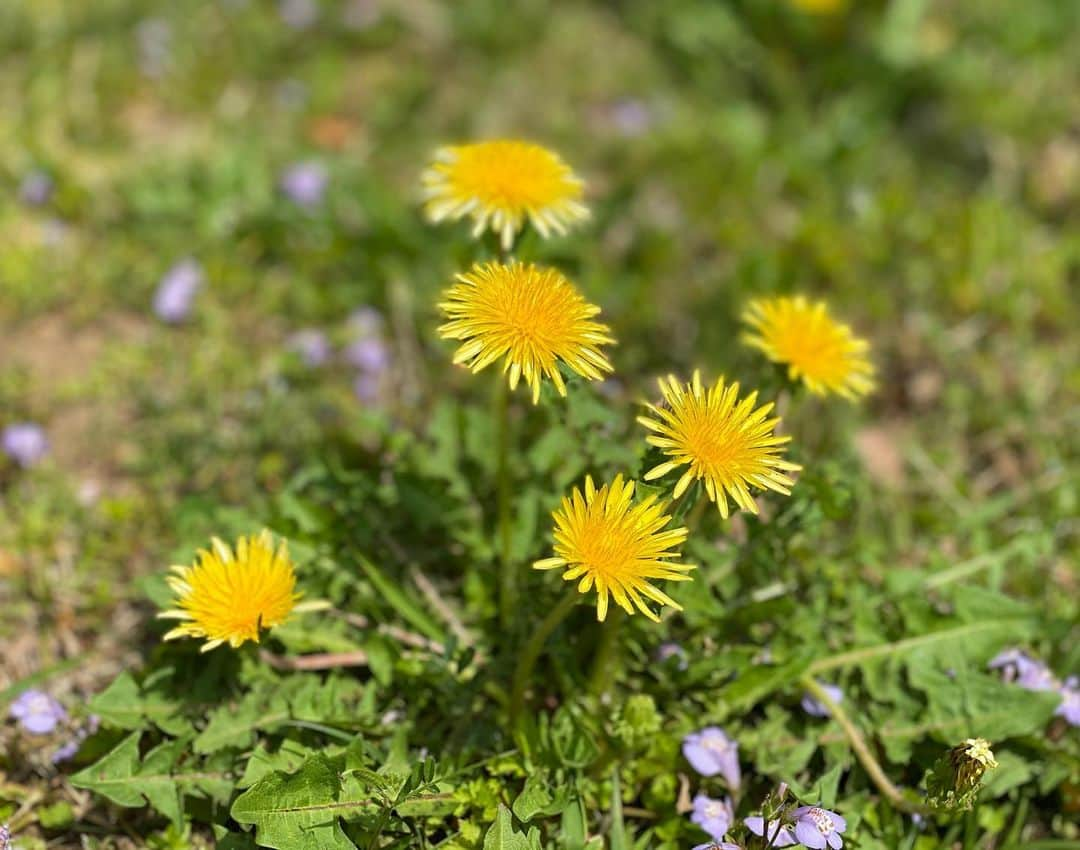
(631, 117)
(38, 712)
(365, 321)
(36, 188)
(67, 752)
(25, 443)
(176, 292)
(1070, 701)
(783, 835)
(367, 388)
(668, 650)
(304, 183)
(312, 346)
(1019, 667)
(717, 845)
(816, 709)
(298, 14)
(369, 355)
(816, 827)
(710, 752)
(5, 837)
(713, 816)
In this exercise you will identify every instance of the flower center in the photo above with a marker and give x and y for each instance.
(821, 820)
(717, 745)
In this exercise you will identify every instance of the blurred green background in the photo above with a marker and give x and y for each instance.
(916, 163)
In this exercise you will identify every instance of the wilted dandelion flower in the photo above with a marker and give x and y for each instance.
(531, 316)
(726, 442)
(602, 539)
(501, 183)
(231, 596)
(818, 350)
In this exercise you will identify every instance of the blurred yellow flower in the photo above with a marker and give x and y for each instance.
(605, 541)
(232, 596)
(531, 316)
(820, 7)
(501, 183)
(817, 349)
(726, 442)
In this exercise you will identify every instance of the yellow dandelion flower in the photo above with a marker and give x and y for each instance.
(232, 596)
(530, 315)
(727, 443)
(817, 349)
(501, 183)
(604, 540)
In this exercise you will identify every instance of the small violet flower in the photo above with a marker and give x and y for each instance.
(176, 292)
(25, 443)
(365, 321)
(717, 845)
(816, 827)
(38, 712)
(781, 836)
(366, 388)
(368, 355)
(5, 837)
(304, 183)
(668, 650)
(816, 709)
(713, 816)
(36, 189)
(312, 346)
(710, 752)
(1019, 667)
(1070, 701)
(69, 750)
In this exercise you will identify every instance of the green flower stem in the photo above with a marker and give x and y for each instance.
(862, 750)
(530, 652)
(507, 581)
(607, 653)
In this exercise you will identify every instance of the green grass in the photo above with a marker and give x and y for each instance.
(917, 164)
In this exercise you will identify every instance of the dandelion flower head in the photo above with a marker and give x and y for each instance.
(532, 317)
(230, 596)
(603, 539)
(723, 440)
(818, 350)
(501, 183)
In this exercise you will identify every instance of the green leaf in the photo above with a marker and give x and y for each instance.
(962, 702)
(300, 811)
(119, 704)
(125, 705)
(533, 799)
(503, 836)
(618, 828)
(158, 779)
